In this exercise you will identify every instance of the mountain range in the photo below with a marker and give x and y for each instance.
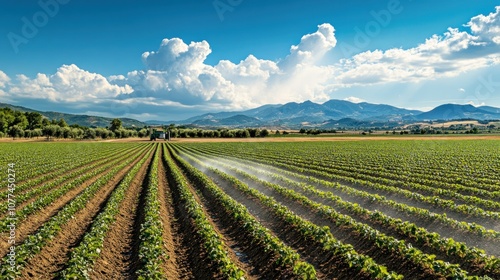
(336, 113)
(331, 114)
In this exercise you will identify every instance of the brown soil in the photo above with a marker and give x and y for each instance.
(56, 253)
(118, 257)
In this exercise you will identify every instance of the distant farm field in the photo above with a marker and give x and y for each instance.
(384, 209)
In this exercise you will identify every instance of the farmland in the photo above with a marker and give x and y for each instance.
(384, 209)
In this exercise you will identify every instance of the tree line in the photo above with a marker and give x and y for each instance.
(18, 124)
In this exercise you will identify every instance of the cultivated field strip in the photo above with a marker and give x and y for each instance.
(473, 234)
(318, 210)
(366, 240)
(33, 234)
(463, 212)
(71, 176)
(447, 249)
(34, 161)
(54, 176)
(468, 260)
(261, 248)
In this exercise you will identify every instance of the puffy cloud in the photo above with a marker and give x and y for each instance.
(68, 84)
(4, 79)
(177, 72)
(312, 47)
(449, 55)
(487, 27)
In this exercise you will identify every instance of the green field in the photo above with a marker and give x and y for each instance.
(384, 209)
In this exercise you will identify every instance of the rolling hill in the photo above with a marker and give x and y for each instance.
(83, 120)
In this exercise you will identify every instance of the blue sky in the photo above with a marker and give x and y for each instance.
(174, 59)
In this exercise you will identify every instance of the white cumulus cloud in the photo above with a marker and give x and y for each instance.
(4, 79)
(68, 84)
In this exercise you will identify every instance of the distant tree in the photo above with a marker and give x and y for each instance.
(115, 125)
(302, 131)
(264, 133)
(50, 131)
(142, 133)
(37, 132)
(66, 132)
(20, 120)
(4, 123)
(35, 120)
(16, 131)
(45, 122)
(277, 132)
(89, 133)
(254, 132)
(62, 123)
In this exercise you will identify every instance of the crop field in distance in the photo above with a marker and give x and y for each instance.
(385, 209)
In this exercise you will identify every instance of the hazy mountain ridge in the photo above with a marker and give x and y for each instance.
(341, 113)
(331, 114)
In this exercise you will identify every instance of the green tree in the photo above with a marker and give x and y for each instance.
(34, 120)
(51, 131)
(264, 133)
(115, 125)
(45, 122)
(20, 120)
(16, 131)
(62, 123)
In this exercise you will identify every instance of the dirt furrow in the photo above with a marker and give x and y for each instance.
(55, 254)
(118, 258)
(176, 262)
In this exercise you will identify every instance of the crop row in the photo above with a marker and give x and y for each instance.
(211, 240)
(151, 252)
